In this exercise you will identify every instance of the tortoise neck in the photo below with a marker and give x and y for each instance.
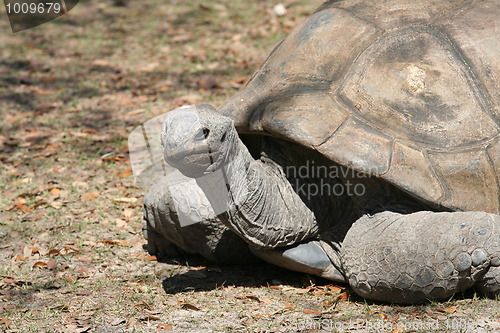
(256, 201)
(226, 186)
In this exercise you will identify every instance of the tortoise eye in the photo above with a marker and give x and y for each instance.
(223, 138)
(206, 132)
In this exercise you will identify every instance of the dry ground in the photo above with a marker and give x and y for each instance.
(71, 246)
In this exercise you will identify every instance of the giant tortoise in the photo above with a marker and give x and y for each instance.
(365, 149)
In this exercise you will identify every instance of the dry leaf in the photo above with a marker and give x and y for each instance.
(311, 312)
(328, 303)
(127, 200)
(20, 257)
(288, 305)
(68, 250)
(128, 213)
(35, 250)
(125, 173)
(54, 252)
(55, 191)
(51, 264)
(187, 306)
(240, 79)
(90, 131)
(16, 282)
(252, 297)
(24, 208)
(199, 268)
(142, 304)
(90, 195)
(267, 301)
(343, 296)
(6, 321)
(56, 204)
(383, 316)
(82, 272)
(10, 281)
(40, 264)
(150, 318)
(121, 223)
(112, 242)
(54, 146)
(258, 316)
(70, 278)
(335, 288)
(83, 258)
(26, 180)
(164, 327)
(451, 309)
(300, 290)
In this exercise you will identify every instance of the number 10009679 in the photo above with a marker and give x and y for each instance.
(32, 8)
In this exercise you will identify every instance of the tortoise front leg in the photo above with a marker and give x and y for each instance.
(425, 255)
(168, 234)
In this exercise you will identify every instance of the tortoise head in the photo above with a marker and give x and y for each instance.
(198, 140)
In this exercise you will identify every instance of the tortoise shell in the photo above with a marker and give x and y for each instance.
(407, 90)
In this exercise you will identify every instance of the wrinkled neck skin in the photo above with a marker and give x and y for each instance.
(255, 200)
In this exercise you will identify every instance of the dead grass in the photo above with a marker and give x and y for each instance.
(71, 245)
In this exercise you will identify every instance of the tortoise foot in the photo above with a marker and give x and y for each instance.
(422, 256)
(170, 238)
(490, 283)
(160, 246)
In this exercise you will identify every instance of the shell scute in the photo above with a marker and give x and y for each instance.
(373, 149)
(415, 86)
(469, 178)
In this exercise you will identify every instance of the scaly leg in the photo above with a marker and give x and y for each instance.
(168, 237)
(411, 258)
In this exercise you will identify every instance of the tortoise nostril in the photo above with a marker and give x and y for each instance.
(206, 132)
(223, 138)
(202, 134)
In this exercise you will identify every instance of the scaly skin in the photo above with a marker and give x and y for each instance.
(168, 237)
(410, 258)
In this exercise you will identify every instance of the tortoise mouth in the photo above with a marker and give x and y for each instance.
(190, 154)
(194, 163)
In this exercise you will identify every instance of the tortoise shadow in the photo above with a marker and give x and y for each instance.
(261, 274)
(212, 276)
